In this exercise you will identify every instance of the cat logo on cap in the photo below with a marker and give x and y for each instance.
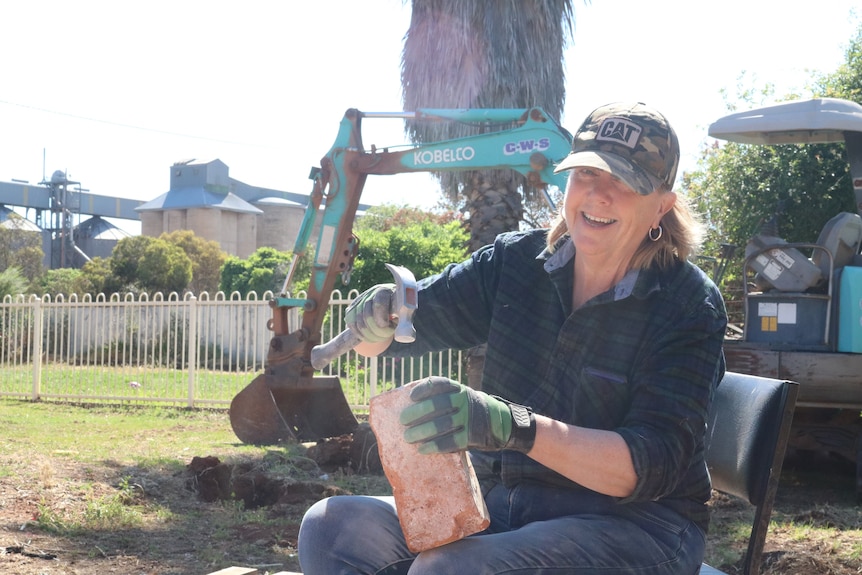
(619, 131)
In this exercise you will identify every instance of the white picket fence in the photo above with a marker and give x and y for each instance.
(194, 351)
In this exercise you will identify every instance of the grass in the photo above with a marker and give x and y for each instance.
(130, 383)
(137, 384)
(99, 433)
(119, 510)
(106, 482)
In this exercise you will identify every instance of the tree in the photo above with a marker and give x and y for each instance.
(206, 256)
(12, 283)
(125, 259)
(164, 267)
(65, 282)
(21, 248)
(422, 242)
(484, 54)
(262, 271)
(846, 81)
(739, 187)
(97, 274)
(128, 259)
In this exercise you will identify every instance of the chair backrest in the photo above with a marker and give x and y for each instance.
(747, 433)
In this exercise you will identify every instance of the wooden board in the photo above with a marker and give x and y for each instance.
(826, 379)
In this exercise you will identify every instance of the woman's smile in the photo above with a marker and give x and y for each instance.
(596, 221)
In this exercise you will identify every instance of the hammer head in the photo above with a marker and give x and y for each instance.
(405, 304)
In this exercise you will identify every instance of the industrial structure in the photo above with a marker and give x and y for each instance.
(241, 218)
(53, 207)
(202, 197)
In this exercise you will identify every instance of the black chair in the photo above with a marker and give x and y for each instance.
(749, 425)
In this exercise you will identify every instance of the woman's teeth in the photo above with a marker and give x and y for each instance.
(597, 220)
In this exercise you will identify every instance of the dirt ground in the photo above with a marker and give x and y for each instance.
(206, 516)
(203, 538)
(193, 522)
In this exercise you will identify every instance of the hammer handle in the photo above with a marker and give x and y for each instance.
(322, 355)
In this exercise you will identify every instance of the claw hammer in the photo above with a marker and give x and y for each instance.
(405, 304)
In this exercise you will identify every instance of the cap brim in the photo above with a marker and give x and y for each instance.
(631, 175)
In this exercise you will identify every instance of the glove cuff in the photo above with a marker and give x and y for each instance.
(523, 428)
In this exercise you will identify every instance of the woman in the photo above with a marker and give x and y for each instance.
(610, 336)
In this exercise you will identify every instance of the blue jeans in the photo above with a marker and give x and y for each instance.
(535, 529)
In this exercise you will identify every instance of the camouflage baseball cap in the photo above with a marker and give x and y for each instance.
(631, 141)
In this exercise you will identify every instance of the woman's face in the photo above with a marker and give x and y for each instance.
(607, 218)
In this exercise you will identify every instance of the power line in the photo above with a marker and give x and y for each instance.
(132, 126)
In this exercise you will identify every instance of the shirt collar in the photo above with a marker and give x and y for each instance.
(633, 283)
(563, 254)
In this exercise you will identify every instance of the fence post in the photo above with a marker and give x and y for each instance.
(372, 368)
(193, 347)
(36, 347)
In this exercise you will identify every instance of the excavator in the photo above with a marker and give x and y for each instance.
(803, 301)
(288, 402)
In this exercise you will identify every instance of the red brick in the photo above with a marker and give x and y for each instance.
(437, 495)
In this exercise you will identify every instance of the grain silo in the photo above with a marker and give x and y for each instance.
(280, 222)
(200, 200)
(11, 220)
(96, 237)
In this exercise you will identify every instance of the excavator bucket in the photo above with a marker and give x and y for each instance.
(288, 402)
(267, 411)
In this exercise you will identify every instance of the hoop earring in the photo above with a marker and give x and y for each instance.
(655, 237)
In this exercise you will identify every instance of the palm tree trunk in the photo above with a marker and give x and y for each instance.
(485, 54)
(495, 206)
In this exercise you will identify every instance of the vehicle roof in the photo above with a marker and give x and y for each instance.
(818, 120)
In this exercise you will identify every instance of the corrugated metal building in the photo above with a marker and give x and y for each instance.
(97, 237)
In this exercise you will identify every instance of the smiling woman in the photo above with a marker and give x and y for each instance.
(587, 437)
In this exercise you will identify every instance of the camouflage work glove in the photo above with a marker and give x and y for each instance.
(370, 315)
(447, 416)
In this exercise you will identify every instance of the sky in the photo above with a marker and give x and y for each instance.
(113, 93)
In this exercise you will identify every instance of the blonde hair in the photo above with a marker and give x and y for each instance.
(682, 234)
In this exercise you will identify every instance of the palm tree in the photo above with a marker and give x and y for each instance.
(484, 54)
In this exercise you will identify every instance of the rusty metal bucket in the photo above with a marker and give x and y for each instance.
(267, 412)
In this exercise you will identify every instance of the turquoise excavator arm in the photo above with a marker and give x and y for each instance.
(527, 141)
